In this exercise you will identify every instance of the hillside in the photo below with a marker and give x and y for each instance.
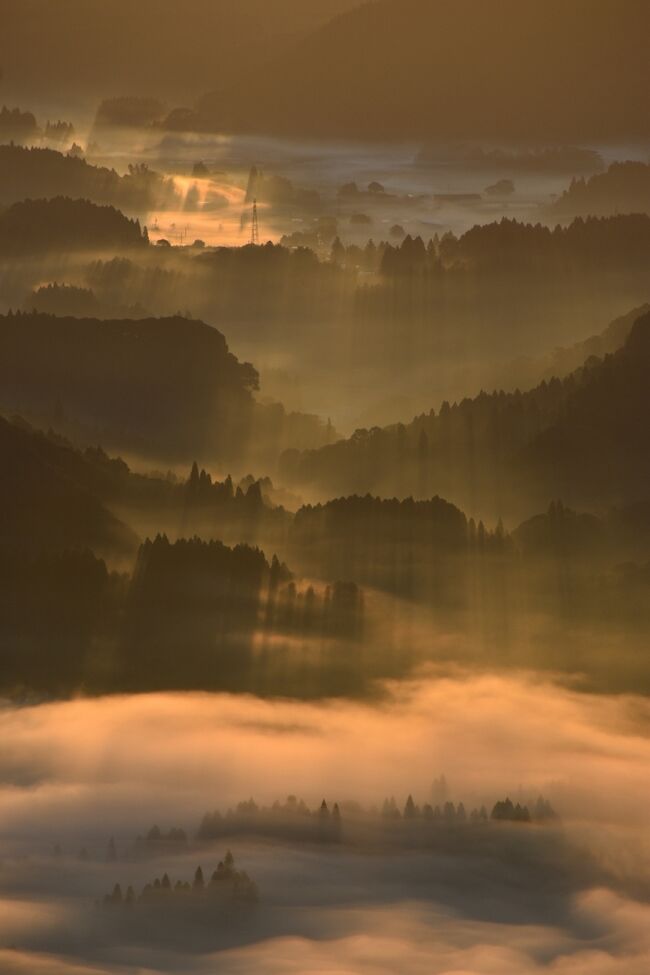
(416, 69)
(583, 439)
(34, 173)
(162, 386)
(81, 44)
(45, 506)
(623, 188)
(597, 449)
(61, 224)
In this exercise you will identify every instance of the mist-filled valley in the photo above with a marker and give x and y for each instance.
(325, 493)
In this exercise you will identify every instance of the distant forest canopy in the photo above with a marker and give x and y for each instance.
(624, 188)
(158, 51)
(507, 291)
(18, 126)
(129, 112)
(549, 159)
(327, 821)
(509, 244)
(35, 173)
(251, 511)
(502, 451)
(513, 69)
(413, 279)
(240, 618)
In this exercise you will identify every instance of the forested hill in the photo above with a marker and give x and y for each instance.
(583, 438)
(45, 506)
(33, 173)
(420, 69)
(597, 449)
(623, 188)
(61, 224)
(168, 385)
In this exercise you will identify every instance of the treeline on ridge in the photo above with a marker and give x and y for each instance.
(36, 173)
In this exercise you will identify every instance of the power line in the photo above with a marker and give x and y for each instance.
(255, 227)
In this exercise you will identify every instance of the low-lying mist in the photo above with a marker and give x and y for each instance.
(568, 897)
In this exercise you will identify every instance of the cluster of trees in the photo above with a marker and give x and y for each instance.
(451, 814)
(541, 811)
(405, 547)
(61, 224)
(508, 245)
(65, 300)
(76, 301)
(226, 885)
(623, 188)
(295, 818)
(514, 246)
(244, 511)
(16, 125)
(59, 131)
(129, 112)
(186, 616)
(36, 173)
(56, 513)
(292, 818)
(194, 609)
(289, 283)
(190, 616)
(448, 813)
(242, 621)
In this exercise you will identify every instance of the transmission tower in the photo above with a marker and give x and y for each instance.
(255, 227)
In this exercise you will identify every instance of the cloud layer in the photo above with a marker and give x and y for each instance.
(566, 901)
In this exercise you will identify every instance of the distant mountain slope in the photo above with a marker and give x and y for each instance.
(528, 372)
(598, 449)
(584, 439)
(419, 69)
(160, 46)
